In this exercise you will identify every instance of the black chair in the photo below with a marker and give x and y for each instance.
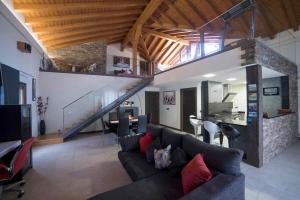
(149, 118)
(112, 116)
(230, 132)
(142, 124)
(123, 127)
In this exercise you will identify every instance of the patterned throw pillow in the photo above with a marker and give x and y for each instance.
(150, 151)
(162, 157)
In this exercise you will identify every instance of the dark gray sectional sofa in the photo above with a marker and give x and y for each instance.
(149, 183)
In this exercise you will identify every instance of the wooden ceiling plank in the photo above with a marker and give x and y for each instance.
(169, 54)
(87, 30)
(84, 40)
(290, 11)
(146, 14)
(143, 43)
(264, 19)
(81, 25)
(57, 42)
(53, 40)
(156, 49)
(166, 36)
(80, 16)
(180, 13)
(33, 7)
(153, 43)
(165, 47)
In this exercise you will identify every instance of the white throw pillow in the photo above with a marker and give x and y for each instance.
(162, 157)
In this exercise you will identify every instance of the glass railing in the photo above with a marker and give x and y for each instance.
(89, 104)
(115, 66)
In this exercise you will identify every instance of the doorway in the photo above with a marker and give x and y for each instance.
(152, 106)
(22, 93)
(188, 106)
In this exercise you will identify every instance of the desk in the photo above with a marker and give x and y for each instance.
(117, 121)
(6, 147)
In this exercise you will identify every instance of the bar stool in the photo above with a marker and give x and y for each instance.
(230, 132)
(212, 129)
(196, 123)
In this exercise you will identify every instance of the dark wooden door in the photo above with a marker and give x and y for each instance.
(152, 106)
(188, 99)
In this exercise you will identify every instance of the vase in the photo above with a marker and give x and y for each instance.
(42, 127)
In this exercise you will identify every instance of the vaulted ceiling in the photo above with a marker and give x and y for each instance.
(157, 29)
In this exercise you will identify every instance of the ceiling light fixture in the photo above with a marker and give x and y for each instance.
(231, 79)
(209, 75)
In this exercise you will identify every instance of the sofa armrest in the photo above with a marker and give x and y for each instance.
(221, 187)
(130, 143)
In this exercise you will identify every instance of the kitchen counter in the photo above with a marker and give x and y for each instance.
(227, 118)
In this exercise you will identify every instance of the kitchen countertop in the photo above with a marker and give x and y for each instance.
(227, 118)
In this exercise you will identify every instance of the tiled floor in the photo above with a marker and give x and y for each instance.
(89, 165)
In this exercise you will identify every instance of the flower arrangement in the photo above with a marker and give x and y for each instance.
(42, 107)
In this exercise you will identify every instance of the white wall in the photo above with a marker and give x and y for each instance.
(114, 50)
(64, 88)
(170, 114)
(240, 100)
(12, 31)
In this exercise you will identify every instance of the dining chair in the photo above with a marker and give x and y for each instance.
(123, 127)
(142, 124)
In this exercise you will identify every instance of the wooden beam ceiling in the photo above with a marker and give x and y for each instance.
(33, 7)
(157, 29)
(166, 36)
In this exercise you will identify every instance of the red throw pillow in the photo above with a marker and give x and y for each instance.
(145, 142)
(194, 174)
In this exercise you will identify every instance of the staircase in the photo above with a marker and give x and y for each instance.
(94, 105)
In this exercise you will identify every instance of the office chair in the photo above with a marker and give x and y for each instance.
(9, 171)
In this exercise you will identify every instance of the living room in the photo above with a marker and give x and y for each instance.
(119, 99)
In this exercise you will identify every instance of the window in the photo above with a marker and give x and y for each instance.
(211, 47)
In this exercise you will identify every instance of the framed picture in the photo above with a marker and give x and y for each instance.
(33, 89)
(252, 107)
(122, 62)
(252, 96)
(169, 97)
(270, 91)
(252, 88)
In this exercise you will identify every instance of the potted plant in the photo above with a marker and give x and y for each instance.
(41, 109)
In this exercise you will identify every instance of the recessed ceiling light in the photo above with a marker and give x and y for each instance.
(209, 75)
(231, 79)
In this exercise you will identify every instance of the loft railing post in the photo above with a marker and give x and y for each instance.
(202, 41)
(224, 35)
(252, 23)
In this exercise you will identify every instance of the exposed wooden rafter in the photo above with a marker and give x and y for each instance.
(166, 36)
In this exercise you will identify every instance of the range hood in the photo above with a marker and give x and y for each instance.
(229, 96)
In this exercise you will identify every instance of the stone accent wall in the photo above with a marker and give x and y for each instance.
(279, 132)
(81, 56)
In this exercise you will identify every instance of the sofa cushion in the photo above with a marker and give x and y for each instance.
(155, 130)
(157, 187)
(225, 160)
(130, 143)
(150, 151)
(178, 161)
(194, 174)
(136, 165)
(171, 137)
(162, 157)
(145, 141)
